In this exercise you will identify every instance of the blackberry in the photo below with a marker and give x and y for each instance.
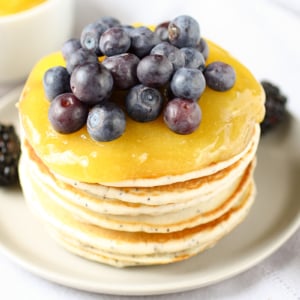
(9, 155)
(275, 107)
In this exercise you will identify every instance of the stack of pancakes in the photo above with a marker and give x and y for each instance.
(132, 225)
(139, 220)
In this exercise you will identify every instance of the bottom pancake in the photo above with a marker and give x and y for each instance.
(216, 230)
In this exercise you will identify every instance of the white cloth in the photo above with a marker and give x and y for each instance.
(264, 35)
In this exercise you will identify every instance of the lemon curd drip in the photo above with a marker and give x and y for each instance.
(146, 150)
(9, 7)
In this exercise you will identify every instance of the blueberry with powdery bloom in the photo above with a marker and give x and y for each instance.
(193, 58)
(128, 28)
(188, 83)
(114, 41)
(219, 76)
(123, 69)
(184, 31)
(80, 57)
(175, 56)
(142, 41)
(56, 81)
(154, 70)
(91, 83)
(69, 47)
(90, 36)
(202, 46)
(106, 122)
(144, 104)
(109, 21)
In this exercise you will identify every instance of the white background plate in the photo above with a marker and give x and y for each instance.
(274, 217)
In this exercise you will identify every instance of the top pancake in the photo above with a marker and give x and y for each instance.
(146, 150)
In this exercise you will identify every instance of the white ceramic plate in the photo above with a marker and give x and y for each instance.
(273, 219)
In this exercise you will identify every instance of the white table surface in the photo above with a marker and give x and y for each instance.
(265, 36)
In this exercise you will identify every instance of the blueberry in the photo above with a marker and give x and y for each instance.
(161, 31)
(202, 46)
(67, 114)
(91, 83)
(175, 56)
(167, 93)
(109, 21)
(143, 104)
(114, 41)
(193, 58)
(142, 41)
(219, 76)
(182, 116)
(90, 36)
(188, 83)
(80, 57)
(128, 29)
(106, 122)
(56, 81)
(154, 70)
(184, 31)
(123, 69)
(69, 47)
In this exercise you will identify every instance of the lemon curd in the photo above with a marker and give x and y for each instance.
(145, 150)
(9, 7)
